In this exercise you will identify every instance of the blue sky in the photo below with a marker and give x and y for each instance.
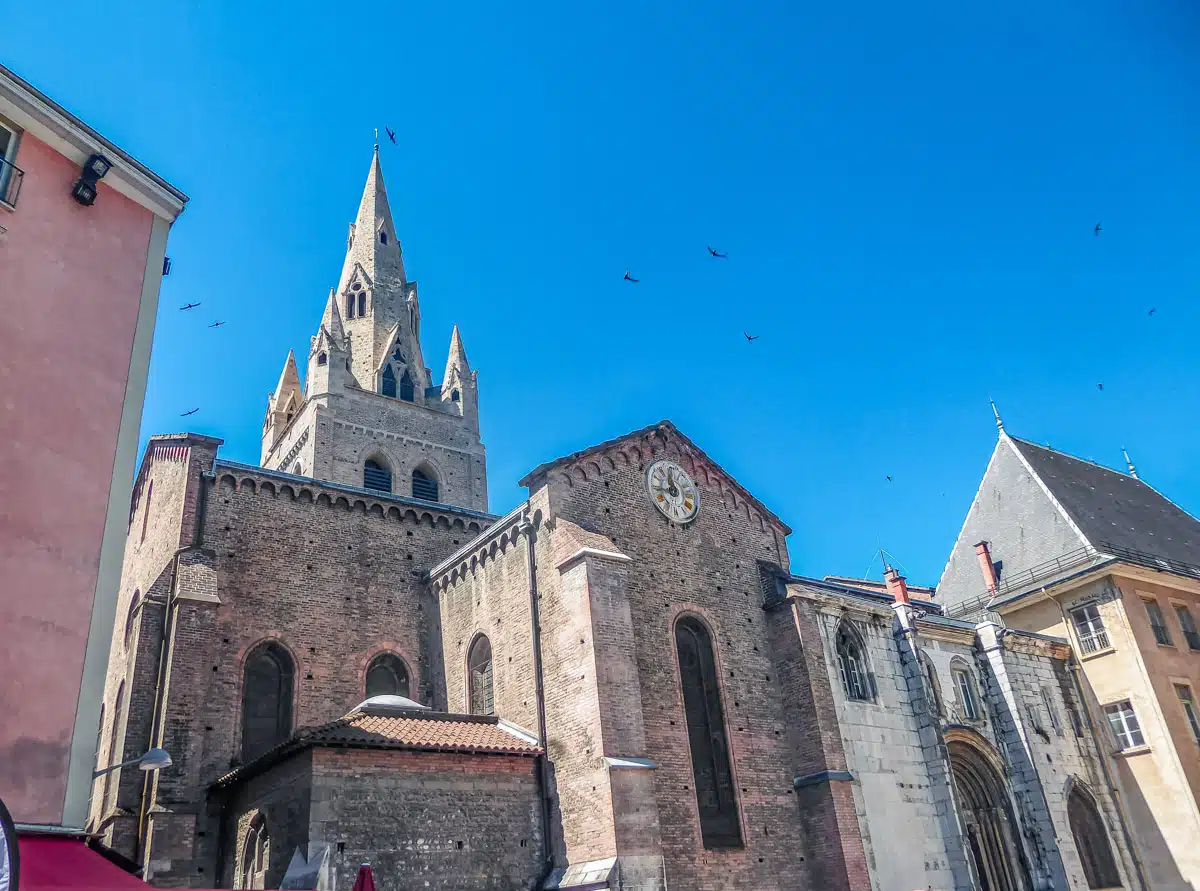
(906, 193)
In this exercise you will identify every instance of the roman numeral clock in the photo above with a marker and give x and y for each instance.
(673, 492)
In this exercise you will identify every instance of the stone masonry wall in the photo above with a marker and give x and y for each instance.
(437, 821)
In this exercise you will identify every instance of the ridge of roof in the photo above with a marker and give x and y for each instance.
(664, 426)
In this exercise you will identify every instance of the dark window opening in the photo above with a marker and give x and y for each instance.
(455, 395)
(479, 677)
(266, 700)
(349, 306)
(322, 359)
(387, 676)
(132, 615)
(852, 664)
(1091, 841)
(146, 514)
(398, 355)
(382, 237)
(424, 486)
(388, 386)
(406, 387)
(362, 303)
(377, 476)
(715, 794)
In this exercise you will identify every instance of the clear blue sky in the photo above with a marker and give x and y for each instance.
(906, 192)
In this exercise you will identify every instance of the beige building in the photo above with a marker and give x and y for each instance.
(1065, 547)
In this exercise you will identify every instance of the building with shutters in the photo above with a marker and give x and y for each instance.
(618, 684)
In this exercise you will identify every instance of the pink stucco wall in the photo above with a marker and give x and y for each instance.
(70, 289)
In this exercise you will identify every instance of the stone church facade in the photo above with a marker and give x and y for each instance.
(618, 684)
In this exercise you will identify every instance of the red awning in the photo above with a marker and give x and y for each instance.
(49, 861)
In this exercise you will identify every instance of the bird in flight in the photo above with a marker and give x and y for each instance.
(1096, 231)
(889, 479)
(216, 324)
(1100, 386)
(717, 254)
(751, 337)
(189, 306)
(630, 278)
(391, 134)
(192, 412)
(1153, 311)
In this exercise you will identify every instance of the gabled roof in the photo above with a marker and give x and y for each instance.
(424, 731)
(1113, 510)
(664, 429)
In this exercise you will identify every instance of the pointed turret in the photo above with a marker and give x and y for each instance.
(288, 386)
(373, 244)
(459, 383)
(331, 321)
(457, 364)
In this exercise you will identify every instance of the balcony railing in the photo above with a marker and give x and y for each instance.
(1095, 642)
(11, 177)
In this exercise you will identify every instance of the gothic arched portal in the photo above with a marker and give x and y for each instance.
(991, 832)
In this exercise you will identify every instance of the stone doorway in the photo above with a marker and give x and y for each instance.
(991, 833)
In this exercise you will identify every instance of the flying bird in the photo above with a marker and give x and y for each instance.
(391, 134)
(192, 412)
(189, 306)
(717, 254)
(889, 479)
(216, 324)
(1100, 386)
(630, 278)
(1153, 311)
(1096, 231)
(751, 337)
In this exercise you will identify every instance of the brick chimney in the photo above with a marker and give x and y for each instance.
(987, 567)
(896, 585)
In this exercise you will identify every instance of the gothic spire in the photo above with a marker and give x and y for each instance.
(373, 242)
(289, 383)
(331, 321)
(456, 363)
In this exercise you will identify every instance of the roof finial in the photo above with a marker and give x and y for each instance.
(377, 140)
(1129, 464)
(996, 412)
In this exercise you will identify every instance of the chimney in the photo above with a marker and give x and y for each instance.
(987, 567)
(896, 586)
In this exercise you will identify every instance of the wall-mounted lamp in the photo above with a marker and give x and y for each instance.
(85, 188)
(154, 759)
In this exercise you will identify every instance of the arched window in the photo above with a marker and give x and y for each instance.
(455, 396)
(406, 387)
(349, 306)
(266, 699)
(715, 796)
(256, 855)
(932, 684)
(114, 752)
(852, 663)
(479, 677)
(382, 236)
(322, 359)
(424, 485)
(362, 303)
(377, 475)
(387, 676)
(388, 385)
(146, 512)
(1091, 840)
(964, 688)
(131, 615)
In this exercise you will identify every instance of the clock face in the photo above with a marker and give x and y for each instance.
(673, 491)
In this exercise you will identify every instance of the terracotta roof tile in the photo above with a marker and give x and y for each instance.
(444, 733)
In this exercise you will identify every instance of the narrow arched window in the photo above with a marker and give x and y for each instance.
(146, 513)
(114, 752)
(377, 475)
(256, 855)
(424, 485)
(406, 387)
(382, 236)
(349, 306)
(455, 396)
(322, 359)
(267, 685)
(1091, 841)
(479, 677)
(964, 688)
(715, 795)
(387, 385)
(362, 303)
(132, 615)
(852, 664)
(387, 676)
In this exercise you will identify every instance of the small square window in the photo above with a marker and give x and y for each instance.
(1124, 724)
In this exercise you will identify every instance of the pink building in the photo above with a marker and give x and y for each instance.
(82, 250)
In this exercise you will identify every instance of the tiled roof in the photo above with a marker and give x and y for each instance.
(423, 731)
(1114, 510)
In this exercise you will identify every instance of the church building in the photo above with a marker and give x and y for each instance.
(618, 684)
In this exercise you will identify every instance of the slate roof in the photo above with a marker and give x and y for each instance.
(1114, 510)
(423, 731)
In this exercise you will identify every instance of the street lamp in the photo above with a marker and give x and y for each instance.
(154, 759)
